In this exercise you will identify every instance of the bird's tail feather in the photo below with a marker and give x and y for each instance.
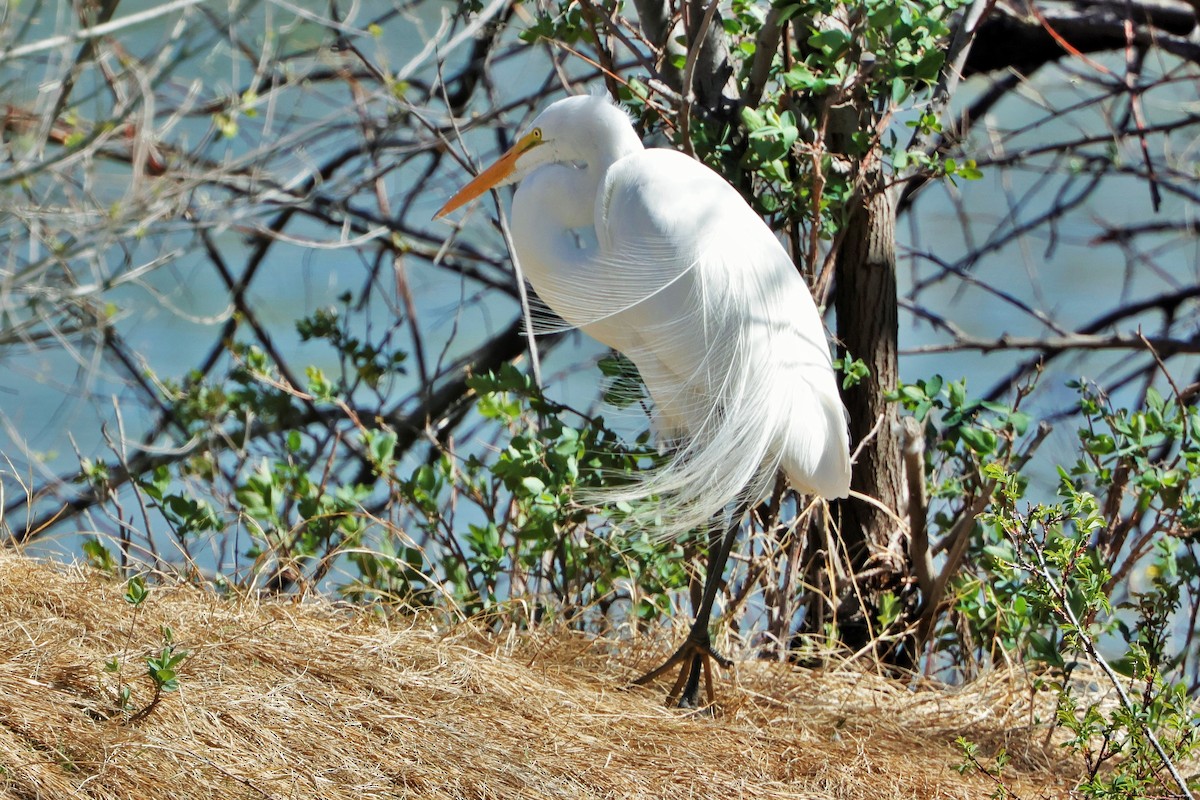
(732, 418)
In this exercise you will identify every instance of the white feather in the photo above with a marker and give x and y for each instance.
(656, 256)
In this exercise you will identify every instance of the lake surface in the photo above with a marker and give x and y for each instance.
(58, 403)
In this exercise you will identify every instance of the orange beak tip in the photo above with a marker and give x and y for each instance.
(485, 180)
(452, 205)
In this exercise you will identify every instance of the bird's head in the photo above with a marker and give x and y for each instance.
(568, 131)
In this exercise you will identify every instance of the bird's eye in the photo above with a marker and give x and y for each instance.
(531, 140)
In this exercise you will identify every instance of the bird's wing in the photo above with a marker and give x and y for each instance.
(689, 283)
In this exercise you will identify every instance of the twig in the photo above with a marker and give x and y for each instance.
(1089, 647)
(913, 439)
(96, 31)
(535, 363)
(689, 69)
(1059, 344)
(959, 50)
(1132, 70)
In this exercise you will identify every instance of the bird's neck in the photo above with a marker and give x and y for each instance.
(621, 142)
(568, 192)
(554, 217)
(551, 205)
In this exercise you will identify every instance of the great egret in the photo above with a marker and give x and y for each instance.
(658, 257)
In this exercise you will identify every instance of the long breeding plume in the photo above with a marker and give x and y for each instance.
(656, 256)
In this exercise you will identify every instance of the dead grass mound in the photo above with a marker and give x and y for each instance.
(309, 700)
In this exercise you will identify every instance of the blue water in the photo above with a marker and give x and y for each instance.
(57, 405)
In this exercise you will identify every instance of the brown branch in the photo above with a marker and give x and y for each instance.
(1054, 345)
(1024, 37)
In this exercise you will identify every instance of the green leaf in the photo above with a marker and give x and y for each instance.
(801, 78)
(930, 65)
(981, 440)
(883, 16)
(136, 591)
(533, 485)
(789, 10)
(1020, 421)
(752, 119)
(832, 42)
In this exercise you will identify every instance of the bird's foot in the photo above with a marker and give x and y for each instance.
(694, 657)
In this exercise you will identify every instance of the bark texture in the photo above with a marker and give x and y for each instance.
(867, 328)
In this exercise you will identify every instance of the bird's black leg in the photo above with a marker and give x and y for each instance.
(696, 651)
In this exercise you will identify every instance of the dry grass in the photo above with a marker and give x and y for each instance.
(290, 700)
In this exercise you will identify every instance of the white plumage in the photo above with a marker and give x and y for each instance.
(655, 255)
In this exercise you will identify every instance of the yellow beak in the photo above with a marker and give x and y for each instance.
(491, 176)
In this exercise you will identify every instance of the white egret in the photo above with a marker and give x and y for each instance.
(657, 256)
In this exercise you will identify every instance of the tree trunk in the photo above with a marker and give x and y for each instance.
(865, 301)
